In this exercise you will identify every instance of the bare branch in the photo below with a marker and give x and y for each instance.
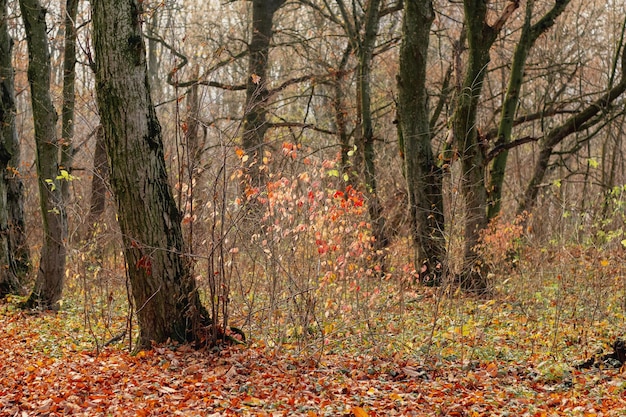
(301, 126)
(506, 14)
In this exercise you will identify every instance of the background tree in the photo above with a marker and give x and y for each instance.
(9, 282)
(49, 283)
(255, 121)
(164, 291)
(586, 118)
(530, 34)
(471, 146)
(423, 175)
(69, 95)
(13, 175)
(365, 132)
(97, 198)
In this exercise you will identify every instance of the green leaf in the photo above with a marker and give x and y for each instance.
(333, 173)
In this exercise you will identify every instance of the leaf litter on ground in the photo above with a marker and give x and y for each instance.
(257, 381)
(415, 353)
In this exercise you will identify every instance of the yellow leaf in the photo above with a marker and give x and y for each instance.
(359, 412)
(604, 262)
(395, 396)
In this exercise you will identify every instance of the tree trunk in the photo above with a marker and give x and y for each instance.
(9, 271)
(49, 283)
(193, 156)
(472, 147)
(163, 289)
(340, 113)
(365, 137)
(255, 117)
(16, 229)
(69, 99)
(98, 184)
(466, 135)
(423, 176)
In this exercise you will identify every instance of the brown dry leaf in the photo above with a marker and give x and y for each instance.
(231, 372)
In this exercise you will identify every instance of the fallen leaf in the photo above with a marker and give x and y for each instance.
(359, 412)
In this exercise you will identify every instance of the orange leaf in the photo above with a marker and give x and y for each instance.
(359, 412)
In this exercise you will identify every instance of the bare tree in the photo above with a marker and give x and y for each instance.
(15, 187)
(530, 34)
(255, 118)
(592, 115)
(9, 282)
(471, 145)
(423, 176)
(50, 276)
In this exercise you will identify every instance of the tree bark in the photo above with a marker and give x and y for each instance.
(163, 289)
(16, 229)
(49, 283)
(257, 94)
(340, 113)
(69, 99)
(423, 176)
(10, 282)
(365, 135)
(471, 145)
(98, 184)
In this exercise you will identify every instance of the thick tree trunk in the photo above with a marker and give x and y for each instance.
(423, 176)
(49, 283)
(164, 291)
(9, 272)
(255, 117)
(15, 187)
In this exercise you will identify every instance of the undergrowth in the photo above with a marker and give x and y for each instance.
(556, 315)
(304, 278)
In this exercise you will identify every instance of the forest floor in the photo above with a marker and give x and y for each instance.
(46, 369)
